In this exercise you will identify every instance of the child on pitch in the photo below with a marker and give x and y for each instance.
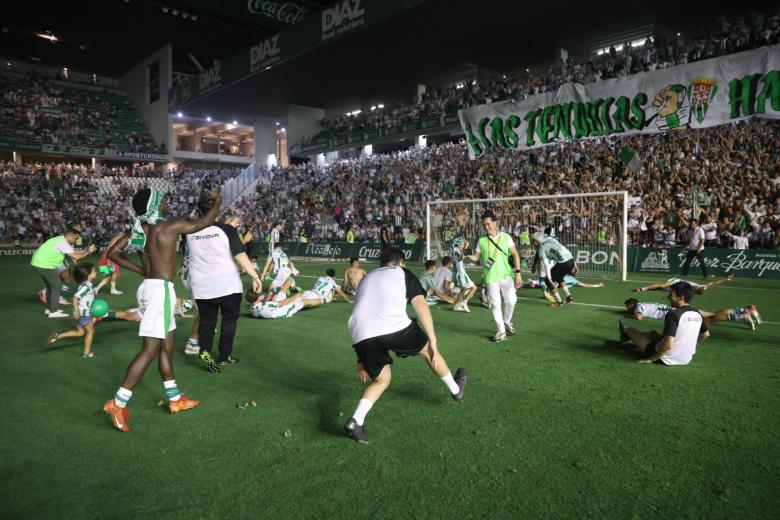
(462, 280)
(83, 273)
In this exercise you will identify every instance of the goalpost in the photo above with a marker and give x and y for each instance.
(591, 225)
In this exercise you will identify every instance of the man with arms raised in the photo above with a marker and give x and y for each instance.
(379, 324)
(155, 242)
(493, 251)
(684, 326)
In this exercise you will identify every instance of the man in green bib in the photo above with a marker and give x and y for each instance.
(46, 260)
(502, 280)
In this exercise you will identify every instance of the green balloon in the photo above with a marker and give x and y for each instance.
(99, 308)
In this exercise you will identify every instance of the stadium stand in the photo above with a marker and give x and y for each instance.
(730, 35)
(36, 110)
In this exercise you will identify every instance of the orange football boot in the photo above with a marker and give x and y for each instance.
(183, 403)
(119, 416)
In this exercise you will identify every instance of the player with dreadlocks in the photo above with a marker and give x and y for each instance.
(155, 241)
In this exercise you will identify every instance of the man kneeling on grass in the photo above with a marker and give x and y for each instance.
(683, 328)
(379, 324)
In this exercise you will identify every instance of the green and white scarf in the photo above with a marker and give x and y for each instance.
(152, 216)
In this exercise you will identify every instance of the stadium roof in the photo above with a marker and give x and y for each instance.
(117, 34)
(431, 40)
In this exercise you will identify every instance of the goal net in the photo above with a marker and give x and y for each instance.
(591, 225)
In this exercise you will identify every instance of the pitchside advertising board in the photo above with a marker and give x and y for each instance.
(697, 95)
(742, 263)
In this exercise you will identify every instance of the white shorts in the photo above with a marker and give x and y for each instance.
(285, 311)
(311, 295)
(62, 267)
(281, 276)
(156, 303)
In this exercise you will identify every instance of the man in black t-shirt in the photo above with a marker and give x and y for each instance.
(684, 327)
(379, 324)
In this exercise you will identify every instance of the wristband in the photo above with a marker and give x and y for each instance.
(517, 271)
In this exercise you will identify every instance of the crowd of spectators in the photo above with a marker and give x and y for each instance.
(727, 176)
(39, 110)
(726, 35)
(38, 200)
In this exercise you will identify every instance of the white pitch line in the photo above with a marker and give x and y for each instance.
(538, 300)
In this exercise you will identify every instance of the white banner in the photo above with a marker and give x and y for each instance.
(697, 95)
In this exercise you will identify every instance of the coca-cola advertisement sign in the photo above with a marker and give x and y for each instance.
(282, 12)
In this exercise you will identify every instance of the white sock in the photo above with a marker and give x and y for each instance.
(171, 390)
(565, 290)
(450, 382)
(557, 297)
(193, 342)
(122, 396)
(362, 410)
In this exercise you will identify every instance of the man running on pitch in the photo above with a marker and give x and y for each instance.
(379, 324)
(155, 242)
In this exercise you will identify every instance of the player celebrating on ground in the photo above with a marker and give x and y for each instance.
(379, 323)
(433, 296)
(684, 326)
(324, 288)
(557, 262)
(281, 266)
(640, 310)
(697, 287)
(570, 282)
(155, 242)
(462, 280)
(352, 276)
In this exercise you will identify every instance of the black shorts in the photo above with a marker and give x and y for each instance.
(561, 269)
(374, 352)
(652, 349)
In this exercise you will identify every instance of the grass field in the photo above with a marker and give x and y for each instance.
(557, 422)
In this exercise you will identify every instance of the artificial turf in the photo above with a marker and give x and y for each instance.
(557, 422)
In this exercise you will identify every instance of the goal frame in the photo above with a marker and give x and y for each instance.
(623, 194)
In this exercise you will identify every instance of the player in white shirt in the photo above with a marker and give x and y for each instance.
(379, 324)
(684, 327)
(275, 236)
(697, 287)
(323, 290)
(569, 280)
(442, 278)
(556, 261)
(279, 307)
(466, 288)
(640, 310)
(281, 266)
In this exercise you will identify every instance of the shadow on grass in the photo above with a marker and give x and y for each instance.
(324, 385)
(610, 348)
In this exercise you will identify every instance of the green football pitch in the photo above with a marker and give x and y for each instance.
(558, 421)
